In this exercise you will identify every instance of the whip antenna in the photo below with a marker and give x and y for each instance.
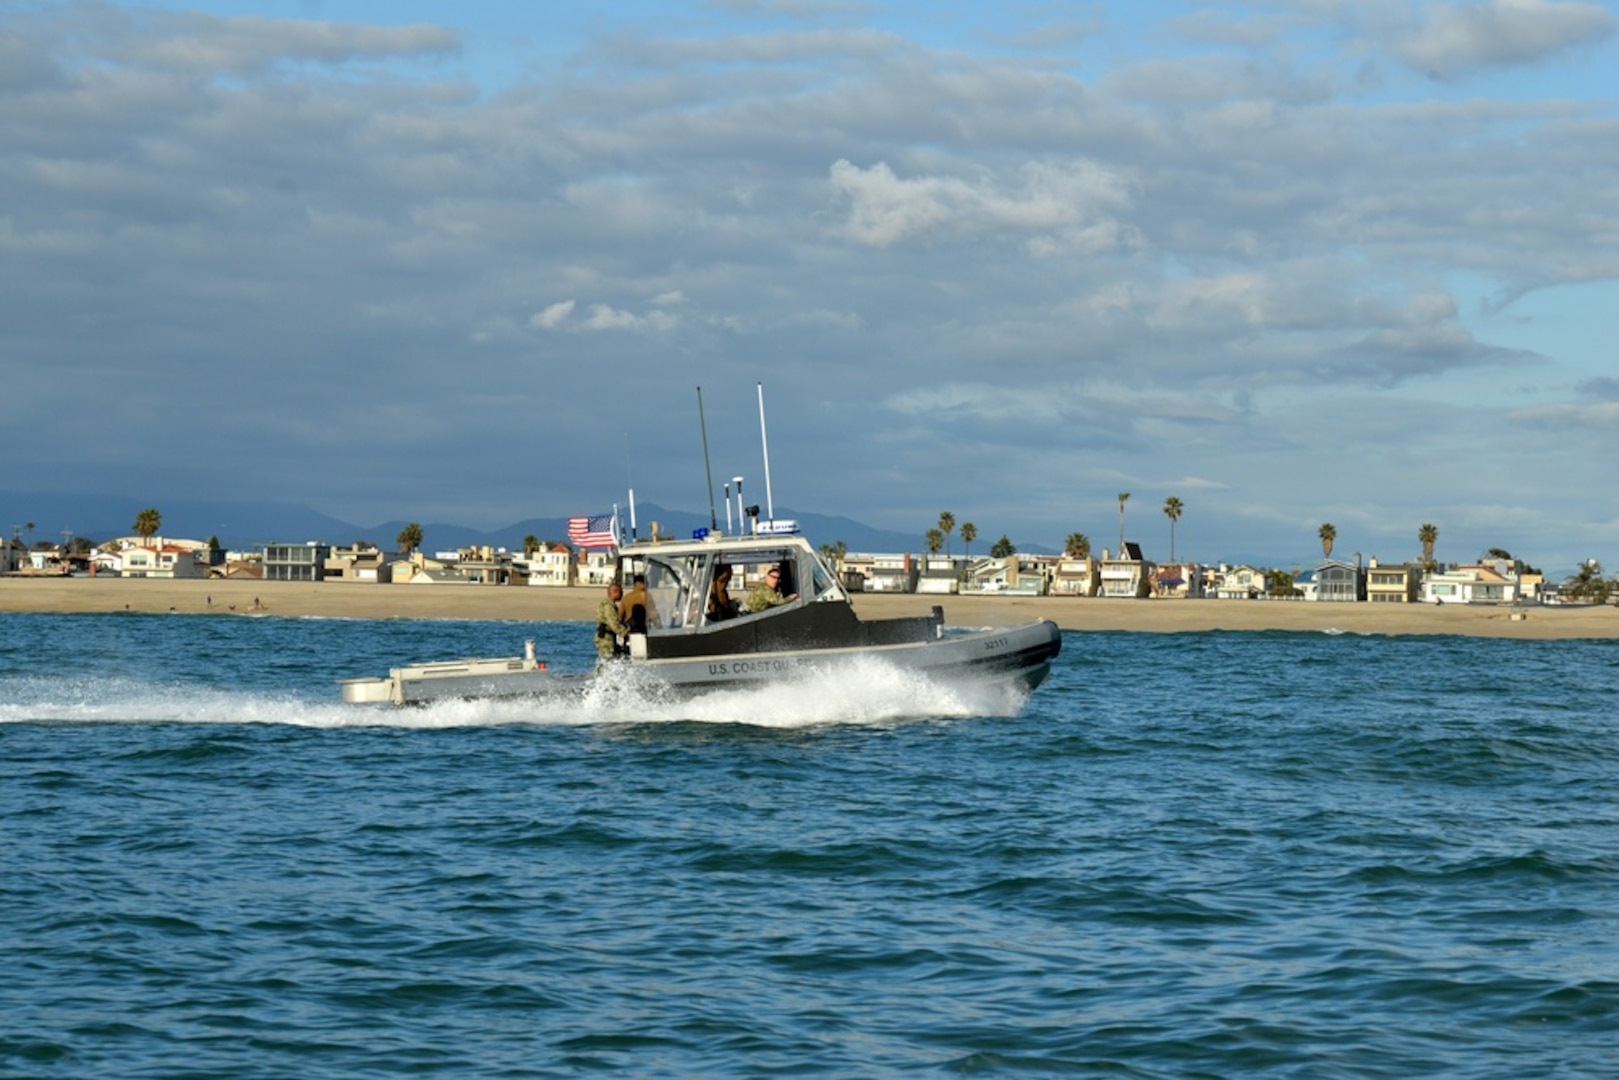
(713, 519)
(764, 443)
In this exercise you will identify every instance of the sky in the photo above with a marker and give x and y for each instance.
(1292, 263)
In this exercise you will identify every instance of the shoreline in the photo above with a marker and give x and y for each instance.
(578, 604)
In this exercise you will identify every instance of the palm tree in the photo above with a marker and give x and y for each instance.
(409, 538)
(947, 525)
(1588, 583)
(969, 533)
(1077, 546)
(1173, 508)
(935, 540)
(1428, 535)
(1328, 533)
(531, 544)
(1124, 497)
(147, 523)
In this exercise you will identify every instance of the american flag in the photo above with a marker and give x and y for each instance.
(595, 531)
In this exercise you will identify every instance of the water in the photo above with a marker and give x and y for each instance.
(1302, 855)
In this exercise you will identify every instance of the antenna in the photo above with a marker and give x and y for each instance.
(629, 483)
(713, 521)
(764, 443)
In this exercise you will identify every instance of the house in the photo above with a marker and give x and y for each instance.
(1128, 575)
(1240, 583)
(161, 561)
(1014, 575)
(362, 562)
(889, 573)
(1470, 585)
(294, 562)
(939, 576)
(13, 554)
(1178, 581)
(551, 566)
(1075, 576)
(596, 566)
(1400, 584)
(1340, 582)
(485, 565)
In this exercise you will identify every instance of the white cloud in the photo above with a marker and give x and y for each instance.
(1054, 207)
(1456, 39)
(553, 316)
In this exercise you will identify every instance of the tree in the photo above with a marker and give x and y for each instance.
(1002, 548)
(969, 533)
(409, 538)
(1279, 583)
(1588, 584)
(947, 525)
(1077, 546)
(1428, 535)
(935, 541)
(1173, 508)
(531, 544)
(1124, 497)
(147, 523)
(1328, 533)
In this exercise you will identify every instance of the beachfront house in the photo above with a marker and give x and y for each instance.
(294, 562)
(1128, 574)
(1240, 583)
(1340, 582)
(1470, 585)
(596, 567)
(484, 565)
(550, 566)
(13, 555)
(1178, 581)
(940, 575)
(161, 561)
(1395, 584)
(892, 573)
(361, 562)
(1073, 576)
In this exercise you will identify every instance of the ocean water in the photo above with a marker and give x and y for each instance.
(1200, 855)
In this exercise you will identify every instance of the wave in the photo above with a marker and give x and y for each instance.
(869, 692)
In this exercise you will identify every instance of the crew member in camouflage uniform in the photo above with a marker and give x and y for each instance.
(767, 594)
(610, 626)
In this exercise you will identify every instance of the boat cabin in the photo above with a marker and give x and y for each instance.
(680, 574)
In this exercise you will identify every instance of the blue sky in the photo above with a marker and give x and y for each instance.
(1291, 263)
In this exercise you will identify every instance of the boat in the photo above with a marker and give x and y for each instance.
(685, 650)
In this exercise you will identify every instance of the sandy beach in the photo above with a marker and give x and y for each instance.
(224, 598)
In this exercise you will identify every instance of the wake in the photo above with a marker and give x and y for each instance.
(863, 693)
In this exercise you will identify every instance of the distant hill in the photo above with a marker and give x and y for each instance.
(247, 525)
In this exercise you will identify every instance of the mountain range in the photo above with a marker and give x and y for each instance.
(242, 525)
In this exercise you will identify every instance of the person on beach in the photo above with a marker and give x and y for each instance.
(720, 604)
(610, 625)
(767, 594)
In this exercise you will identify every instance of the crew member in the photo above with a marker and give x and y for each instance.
(767, 594)
(610, 625)
(720, 604)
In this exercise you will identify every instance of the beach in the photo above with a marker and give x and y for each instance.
(370, 601)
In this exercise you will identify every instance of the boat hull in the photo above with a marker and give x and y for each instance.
(1018, 657)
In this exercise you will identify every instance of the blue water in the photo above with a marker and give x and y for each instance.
(1227, 854)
